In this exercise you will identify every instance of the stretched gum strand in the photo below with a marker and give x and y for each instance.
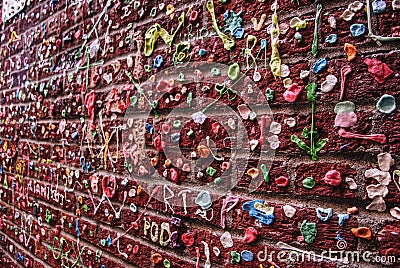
(396, 173)
(258, 26)
(381, 138)
(224, 210)
(344, 72)
(275, 62)
(248, 50)
(228, 42)
(314, 47)
(156, 31)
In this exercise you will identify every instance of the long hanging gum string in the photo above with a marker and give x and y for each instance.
(314, 47)
(105, 148)
(275, 62)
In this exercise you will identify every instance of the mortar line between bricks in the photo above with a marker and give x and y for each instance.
(281, 108)
(332, 157)
(275, 198)
(280, 156)
(293, 60)
(329, 157)
(242, 154)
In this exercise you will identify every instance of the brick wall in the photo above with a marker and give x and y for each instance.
(86, 180)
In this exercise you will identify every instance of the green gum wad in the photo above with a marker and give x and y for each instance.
(269, 94)
(181, 77)
(189, 98)
(233, 72)
(312, 135)
(314, 46)
(166, 263)
(156, 31)
(228, 42)
(309, 182)
(134, 100)
(211, 171)
(235, 257)
(308, 231)
(265, 172)
(177, 124)
(233, 21)
(181, 52)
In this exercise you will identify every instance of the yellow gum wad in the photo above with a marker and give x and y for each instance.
(156, 31)
(228, 42)
(275, 62)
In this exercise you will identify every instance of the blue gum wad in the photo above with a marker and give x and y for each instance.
(247, 255)
(320, 65)
(357, 29)
(308, 231)
(378, 6)
(331, 39)
(259, 210)
(233, 23)
(342, 218)
(158, 61)
(328, 212)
